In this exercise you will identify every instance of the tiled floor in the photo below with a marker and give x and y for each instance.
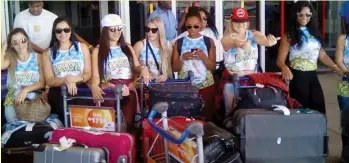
(329, 83)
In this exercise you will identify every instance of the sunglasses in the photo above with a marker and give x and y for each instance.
(308, 15)
(113, 29)
(66, 30)
(22, 40)
(153, 30)
(194, 26)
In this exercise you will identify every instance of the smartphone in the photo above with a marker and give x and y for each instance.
(194, 50)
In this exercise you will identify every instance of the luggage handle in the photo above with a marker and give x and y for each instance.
(326, 148)
(192, 128)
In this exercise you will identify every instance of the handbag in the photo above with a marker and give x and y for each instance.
(33, 110)
(260, 98)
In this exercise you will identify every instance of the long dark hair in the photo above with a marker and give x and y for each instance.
(210, 22)
(104, 51)
(54, 44)
(294, 32)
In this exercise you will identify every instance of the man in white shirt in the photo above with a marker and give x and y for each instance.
(37, 22)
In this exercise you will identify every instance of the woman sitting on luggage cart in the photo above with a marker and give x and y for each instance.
(241, 52)
(342, 60)
(25, 71)
(303, 41)
(114, 62)
(197, 54)
(66, 62)
(155, 51)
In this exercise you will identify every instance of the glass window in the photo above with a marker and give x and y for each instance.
(333, 23)
(84, 16)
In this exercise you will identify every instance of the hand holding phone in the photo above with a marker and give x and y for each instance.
(193, 50)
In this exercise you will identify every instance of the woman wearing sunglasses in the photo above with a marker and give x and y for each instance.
(155, 51)
(197, 57)
(66, 62)
(241, 53)
(114, 62)
(303, 41)
(25, 73)
(207, 28)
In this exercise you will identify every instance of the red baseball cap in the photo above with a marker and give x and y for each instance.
(239, 15)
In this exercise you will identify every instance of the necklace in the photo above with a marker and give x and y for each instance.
(234, 36)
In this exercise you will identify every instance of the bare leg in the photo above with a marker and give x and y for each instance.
(229, 100)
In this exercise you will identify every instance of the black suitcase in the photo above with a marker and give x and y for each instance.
(218, 143)
(182, 97)
(17, 155)
(267, 136)
(22, 138)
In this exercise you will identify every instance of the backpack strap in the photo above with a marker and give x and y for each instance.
(207, 43)
(179, 45)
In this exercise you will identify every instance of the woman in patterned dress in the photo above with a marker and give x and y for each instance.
(196, 57)
(303, 41)
(25, 73)
(66, 62)
(114, 62)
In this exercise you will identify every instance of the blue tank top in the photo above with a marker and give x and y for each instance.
(27, 73)
(242, 59)
(151, 62)
(305, 58)
(202, 77)
(68, 62)
(117, 66)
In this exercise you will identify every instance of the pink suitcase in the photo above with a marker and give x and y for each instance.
(121, 146)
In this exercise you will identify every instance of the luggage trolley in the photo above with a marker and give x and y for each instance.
(173, 137)
(117, 91)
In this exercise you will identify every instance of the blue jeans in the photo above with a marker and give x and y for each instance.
(10, 113)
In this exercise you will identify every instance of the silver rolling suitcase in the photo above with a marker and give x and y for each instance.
(46, 153)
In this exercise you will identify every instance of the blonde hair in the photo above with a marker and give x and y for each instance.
(229, 27)
(165, 54)
(12, 54)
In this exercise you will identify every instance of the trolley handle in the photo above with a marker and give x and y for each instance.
(192, 128)
(188, 79)
(117, 89)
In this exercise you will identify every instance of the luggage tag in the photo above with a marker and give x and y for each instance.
(304, 110)
(30, 127)
(258, 85)
(64, 143)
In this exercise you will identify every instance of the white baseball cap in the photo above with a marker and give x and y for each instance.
(111, 20)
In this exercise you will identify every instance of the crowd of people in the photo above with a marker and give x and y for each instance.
(47, 53)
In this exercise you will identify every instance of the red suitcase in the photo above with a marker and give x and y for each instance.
(121, 146)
